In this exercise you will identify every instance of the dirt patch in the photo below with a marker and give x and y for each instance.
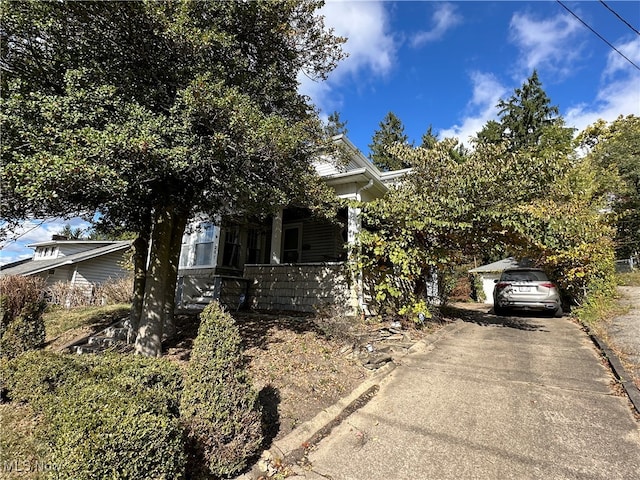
(301, 364)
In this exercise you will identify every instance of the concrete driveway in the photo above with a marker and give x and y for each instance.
(487, 398)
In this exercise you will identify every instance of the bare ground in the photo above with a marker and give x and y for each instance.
(301, 364)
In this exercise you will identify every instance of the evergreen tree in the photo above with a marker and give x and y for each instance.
(429, 140)
(335, 126)
(525, 115)
(390, 133)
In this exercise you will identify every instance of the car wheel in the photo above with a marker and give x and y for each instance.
(558, 313)
(500, 311)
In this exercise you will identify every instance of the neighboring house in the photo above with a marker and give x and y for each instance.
(291, 262)
(490, 273)
(83, 264)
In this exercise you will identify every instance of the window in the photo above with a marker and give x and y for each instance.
(205, 243)
(200, 248)
(291, 244)
(254, 241)
(231, 252)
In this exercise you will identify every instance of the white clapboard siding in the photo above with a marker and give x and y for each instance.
(98, 270)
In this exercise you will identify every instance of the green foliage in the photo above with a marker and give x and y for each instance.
(477, 288)
(615, 148)
(522, 191)
(390, 133)
(103, 416)
(37, 377)
(22, 304)
(335, 125)
(218, 406)
(107, 432)
(526, 116)
(149, 112)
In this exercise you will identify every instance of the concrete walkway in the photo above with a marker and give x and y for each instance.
(624, 331)
(488, 398)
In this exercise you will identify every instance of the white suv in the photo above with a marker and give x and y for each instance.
(526, 289)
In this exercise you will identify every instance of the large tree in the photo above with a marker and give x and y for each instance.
(390, 134)
(533, 198)
(149, 112)
(615, 147)
(524, 118)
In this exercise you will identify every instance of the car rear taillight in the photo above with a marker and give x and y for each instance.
(501, 285)
(548, 285)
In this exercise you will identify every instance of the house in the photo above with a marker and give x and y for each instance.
(293, 261)
(491, 272)
(83, 264)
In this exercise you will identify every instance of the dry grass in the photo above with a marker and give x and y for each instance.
(62, 325)
(21, 454)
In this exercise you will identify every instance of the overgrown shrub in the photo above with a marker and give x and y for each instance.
(21, 324)
(114, 291)
(106, 416)
(218, 406)
(102, 431)
(33, 377)
(68, 295)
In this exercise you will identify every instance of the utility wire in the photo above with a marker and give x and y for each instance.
(621, 19)
(598, 35)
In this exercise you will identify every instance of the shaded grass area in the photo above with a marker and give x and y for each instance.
(601, 318)
(62, 325)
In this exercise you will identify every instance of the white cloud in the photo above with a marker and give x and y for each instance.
(549, 44)
(370, 45)
(487, 91)
(619, 93)
(443, 19)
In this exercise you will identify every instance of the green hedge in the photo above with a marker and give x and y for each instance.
(218, 406)
(107, 416)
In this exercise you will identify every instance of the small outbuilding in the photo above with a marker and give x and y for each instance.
(491, 272)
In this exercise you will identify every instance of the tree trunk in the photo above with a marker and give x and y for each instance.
(150, 329)
(140, 254)
(179, 225)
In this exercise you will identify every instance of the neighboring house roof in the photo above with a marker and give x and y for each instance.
(502, 265)
(32, 267)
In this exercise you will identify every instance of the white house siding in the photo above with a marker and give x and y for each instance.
(60, 274)
(98, 270)
(328, 168)
(298, 287)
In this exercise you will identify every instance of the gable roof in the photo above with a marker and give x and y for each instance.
(32, 267)
(358, 170)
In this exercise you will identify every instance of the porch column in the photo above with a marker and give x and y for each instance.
(353, 227)
(276, 238)
(354, 224)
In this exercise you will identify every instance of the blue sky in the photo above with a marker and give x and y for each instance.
(447, 64)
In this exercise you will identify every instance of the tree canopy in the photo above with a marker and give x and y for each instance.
(615, 148)
(150, 112)
(521, 190)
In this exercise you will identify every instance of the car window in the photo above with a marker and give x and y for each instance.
(524, 276)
